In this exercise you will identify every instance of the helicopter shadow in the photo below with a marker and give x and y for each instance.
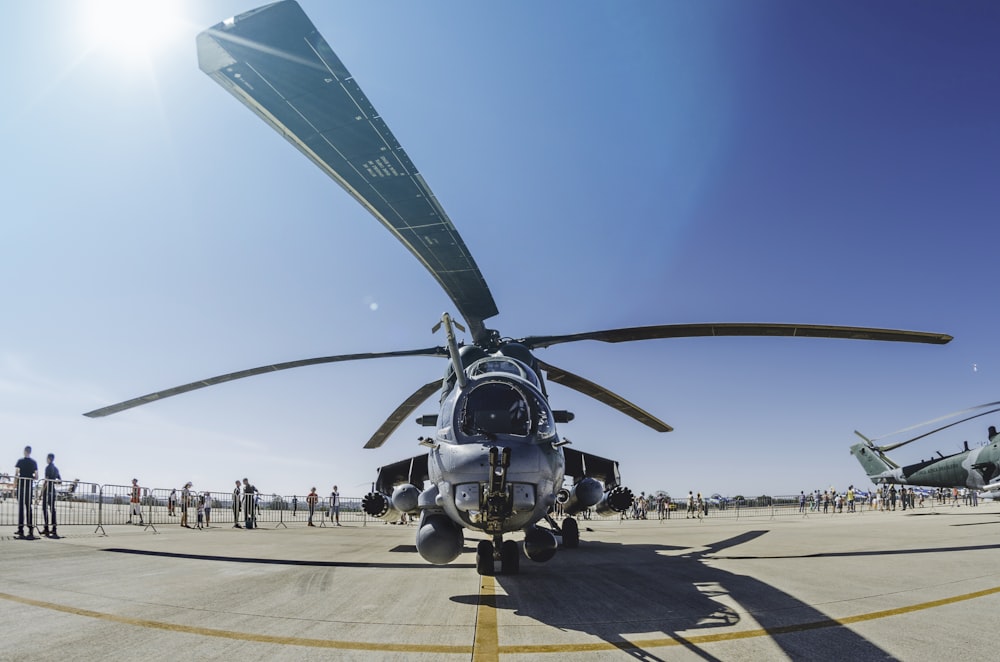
(654, 593)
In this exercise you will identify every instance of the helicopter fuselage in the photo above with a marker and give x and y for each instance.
(974, 468)
(497, 461)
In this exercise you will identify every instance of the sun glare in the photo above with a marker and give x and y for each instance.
(130, 28)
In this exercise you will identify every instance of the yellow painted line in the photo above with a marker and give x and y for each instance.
(486, 647)
(487, 643)
(745, 634)
(241, 636)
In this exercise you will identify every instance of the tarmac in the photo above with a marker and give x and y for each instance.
(917, 585)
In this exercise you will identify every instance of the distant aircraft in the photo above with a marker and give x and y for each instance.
(495, 462)
(975, 468)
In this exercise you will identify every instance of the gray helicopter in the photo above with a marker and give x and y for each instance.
(495, 462)
(975, 468)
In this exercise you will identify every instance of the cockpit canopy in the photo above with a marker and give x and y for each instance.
(502, 364)
(512, 358)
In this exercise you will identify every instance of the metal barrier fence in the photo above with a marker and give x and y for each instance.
(49, 504)
(81, 504)
(77, 503)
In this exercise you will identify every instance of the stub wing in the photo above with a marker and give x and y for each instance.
(412, 471)
(580, 465)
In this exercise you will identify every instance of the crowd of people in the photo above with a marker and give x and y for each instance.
(245, 501)
(885, 498)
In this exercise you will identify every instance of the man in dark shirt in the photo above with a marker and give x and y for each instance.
(25, 471)
(249, 505)
(52, 478)
(236, 506)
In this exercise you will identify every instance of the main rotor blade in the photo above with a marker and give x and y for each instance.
(402, 412)
(601, 394)
(888, 447)
(739, 329)
(212, 381)
(275, 62)
(941, 418)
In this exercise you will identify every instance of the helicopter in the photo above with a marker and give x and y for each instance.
(974, 468)
(495, 462)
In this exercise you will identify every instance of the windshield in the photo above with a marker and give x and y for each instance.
(494, 408)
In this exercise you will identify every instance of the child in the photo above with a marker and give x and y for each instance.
(201, 509)
(208, 510)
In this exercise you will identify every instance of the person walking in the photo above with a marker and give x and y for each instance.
(52, 478)
(311, 500)
(25, 472)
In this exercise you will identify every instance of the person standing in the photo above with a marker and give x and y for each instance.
(311, 500)
(236, 506)
(172, 503)
(335, 504)
(25, 471)
(52, 478)
(185, 502)
(134, 495)
(249, 504)
(201, 509)
(208, 509)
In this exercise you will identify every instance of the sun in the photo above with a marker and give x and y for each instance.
(130, 28)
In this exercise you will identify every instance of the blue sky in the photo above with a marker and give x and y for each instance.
(608, 164)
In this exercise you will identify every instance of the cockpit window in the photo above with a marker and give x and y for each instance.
(496, 408)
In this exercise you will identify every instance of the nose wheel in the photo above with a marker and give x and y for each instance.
(570, 533)
(501, 558)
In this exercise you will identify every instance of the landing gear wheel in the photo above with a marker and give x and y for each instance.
(570, 533)
(510, 559)
(484, 558)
